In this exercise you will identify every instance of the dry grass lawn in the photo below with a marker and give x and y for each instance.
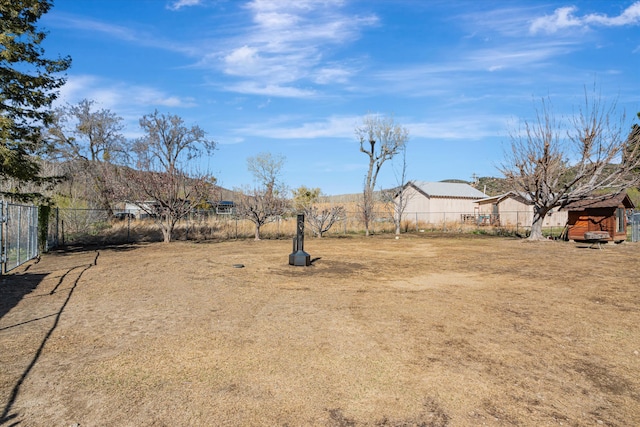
(422, 331)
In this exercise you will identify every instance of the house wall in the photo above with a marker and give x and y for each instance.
(136, 210)
(133, 209)
(436, 209)
(416, 201)
(513, 212)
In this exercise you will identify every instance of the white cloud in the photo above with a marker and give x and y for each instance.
(282, 52)
(134, 35)
(438, 128)
(68, 21)
(448, 128)
(242, 61)
(179, 4)
(230, 140)
(468, 70)
(332, 127)
(328, 75)
(118, 96)
(630, 16)
(514, 56)
(287, 45)
(258, 88)
(564, 17)
(561, 18)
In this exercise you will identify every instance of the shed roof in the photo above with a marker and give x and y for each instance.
(521, 197)
(447, 189)
(621, 199)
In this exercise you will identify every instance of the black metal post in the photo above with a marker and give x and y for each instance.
(299, 257)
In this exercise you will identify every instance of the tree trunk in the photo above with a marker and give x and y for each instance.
(166, 234)
(167, 229)
(257, 232)
(539, 215)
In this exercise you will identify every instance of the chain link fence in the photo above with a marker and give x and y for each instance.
(19, 231)
(634, 224)
(94, 226)
(18, 234)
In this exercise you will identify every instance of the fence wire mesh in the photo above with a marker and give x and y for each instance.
(635, 227)
(94, 226)
(19, 234)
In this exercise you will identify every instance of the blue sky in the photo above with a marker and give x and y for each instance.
(295, 77)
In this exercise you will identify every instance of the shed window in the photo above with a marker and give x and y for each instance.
(620, 220)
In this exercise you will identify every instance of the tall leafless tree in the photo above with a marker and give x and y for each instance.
(397, 198)
(380, 139)
(90, 142)
(555, 161)
(163, 182)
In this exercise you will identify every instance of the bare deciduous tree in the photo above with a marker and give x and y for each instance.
(555, 162)
(261, 207)
(380, 139)
(321, 219)
(266, 169)
(161, 183)
(90, 141)
(397, 198)
(265, 202)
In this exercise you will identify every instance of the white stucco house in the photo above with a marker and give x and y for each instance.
(437, 202)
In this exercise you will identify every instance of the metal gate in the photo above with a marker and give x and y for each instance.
(635, 227)
(18, 234)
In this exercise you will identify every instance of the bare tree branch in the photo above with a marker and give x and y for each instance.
(380, 139)
(266, 201)
(161, 185)
(554, 162)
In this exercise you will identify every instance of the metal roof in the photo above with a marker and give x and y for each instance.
(516, 195)
(621, 199)
(448, 189)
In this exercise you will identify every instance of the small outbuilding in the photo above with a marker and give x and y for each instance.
(514, 209)
(606, 218)
(433, 202)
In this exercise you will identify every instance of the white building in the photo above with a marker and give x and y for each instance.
(514, 210)
(437, 202)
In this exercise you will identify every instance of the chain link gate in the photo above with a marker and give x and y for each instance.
(635, 227)
(18, 234)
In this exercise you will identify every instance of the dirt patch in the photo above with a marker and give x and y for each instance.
(421, 331)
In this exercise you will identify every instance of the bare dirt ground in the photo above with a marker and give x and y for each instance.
(422, 331)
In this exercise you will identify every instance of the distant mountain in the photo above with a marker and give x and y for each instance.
(491, 186)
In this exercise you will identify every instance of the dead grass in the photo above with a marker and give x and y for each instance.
(421, 331)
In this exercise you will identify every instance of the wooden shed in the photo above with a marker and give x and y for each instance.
(606, 218)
